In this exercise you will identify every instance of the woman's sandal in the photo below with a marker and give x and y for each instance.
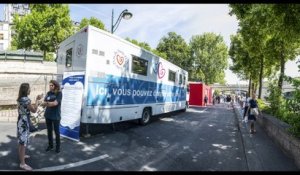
(25, 167)
(27, 156)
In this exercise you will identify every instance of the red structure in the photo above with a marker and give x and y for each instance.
(197, 92)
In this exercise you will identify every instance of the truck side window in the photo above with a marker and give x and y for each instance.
(139, 66)
(172, 75)
(69, 57)
(180, 79)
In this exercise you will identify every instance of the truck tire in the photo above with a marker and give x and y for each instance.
(145, 117)
(186, 106)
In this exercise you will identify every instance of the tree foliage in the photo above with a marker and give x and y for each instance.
(240, 57)
(175, 49)
(44, 28)
(210, 55)
(146, 46)
(92, 21)
(271, 32)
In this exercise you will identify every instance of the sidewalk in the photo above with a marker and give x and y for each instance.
(262, 154)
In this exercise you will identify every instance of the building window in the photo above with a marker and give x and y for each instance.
(1, 46)
(26, 6)
(69, 57)
(172, 75)
(1, 36)
(1, 26)
(139, 66)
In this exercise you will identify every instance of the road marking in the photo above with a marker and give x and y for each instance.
(193, 110)
(71, 165)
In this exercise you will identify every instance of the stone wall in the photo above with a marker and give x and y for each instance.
(13, 73)
(277, 130)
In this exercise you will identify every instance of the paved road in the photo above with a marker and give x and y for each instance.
(201, 139)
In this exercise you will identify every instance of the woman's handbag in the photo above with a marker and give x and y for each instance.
(254, 111)
(245, 119)
(35, 118)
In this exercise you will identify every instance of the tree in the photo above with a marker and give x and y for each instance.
(255, 39)
(272, 30)
(240, 59)
(44, 28)
(92, 21)
(175, 49)
(284, 25)
(146, 46)
(210, 55)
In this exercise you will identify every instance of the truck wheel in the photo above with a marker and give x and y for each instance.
(145, 117)
(186, 106)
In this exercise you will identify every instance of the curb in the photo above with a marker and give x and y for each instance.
(253, 163)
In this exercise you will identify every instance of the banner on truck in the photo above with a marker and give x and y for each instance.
(71, 105)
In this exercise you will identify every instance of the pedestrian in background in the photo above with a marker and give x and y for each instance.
(52, 102)
(205, 100)
(252, 115)
(246, 106)
(228, 101)
(24, 109)
(218, 99)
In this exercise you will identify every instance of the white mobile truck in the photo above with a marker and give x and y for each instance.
(121, 80)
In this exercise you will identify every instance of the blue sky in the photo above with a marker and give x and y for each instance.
(151, 22)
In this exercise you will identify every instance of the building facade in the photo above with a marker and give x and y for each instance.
(6, 32)
(11, 9)
(4, 35)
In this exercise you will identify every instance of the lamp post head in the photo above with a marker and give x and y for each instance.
(126, 15)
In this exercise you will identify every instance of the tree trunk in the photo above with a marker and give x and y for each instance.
(261, 77)
(44, 55)
(253, 89)
(282, 66)
(249, 87)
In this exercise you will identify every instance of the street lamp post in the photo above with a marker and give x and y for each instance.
(124, 14)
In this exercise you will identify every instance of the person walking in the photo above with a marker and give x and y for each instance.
(228, 101)
(246, 106)
(24, 109)
(205, 100)
(254, 112)
(52, 102)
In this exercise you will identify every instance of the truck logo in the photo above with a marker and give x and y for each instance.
(120, 59)
(159, 69)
